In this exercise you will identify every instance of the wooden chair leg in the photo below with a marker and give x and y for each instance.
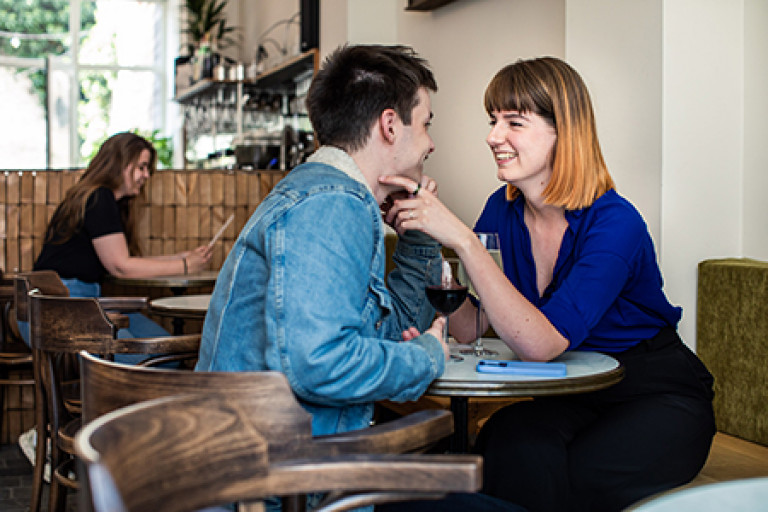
(41, 427)
(3, 416)
(57, 490)
(294, 503)
(58, 500)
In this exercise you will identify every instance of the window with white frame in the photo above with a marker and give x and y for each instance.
(74, 72)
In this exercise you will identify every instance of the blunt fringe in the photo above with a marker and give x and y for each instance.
(550, 88)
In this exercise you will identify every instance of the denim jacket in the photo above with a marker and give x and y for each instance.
(303, 292)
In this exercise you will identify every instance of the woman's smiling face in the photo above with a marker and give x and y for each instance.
(522, 144)
(134, 176)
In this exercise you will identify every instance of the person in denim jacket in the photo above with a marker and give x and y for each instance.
(303, 289)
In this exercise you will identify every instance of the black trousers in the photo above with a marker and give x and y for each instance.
(604, 450)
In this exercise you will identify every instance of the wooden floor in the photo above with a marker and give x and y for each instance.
(732, 458)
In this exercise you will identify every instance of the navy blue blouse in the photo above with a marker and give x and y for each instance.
(606, 292)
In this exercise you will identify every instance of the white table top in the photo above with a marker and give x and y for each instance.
(191, 305)
(586, 371)
(747, 494)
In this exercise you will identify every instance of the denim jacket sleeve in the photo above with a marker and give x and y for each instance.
(329, 307)
(415, 255)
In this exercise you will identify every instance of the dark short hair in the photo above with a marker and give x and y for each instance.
(356, 83)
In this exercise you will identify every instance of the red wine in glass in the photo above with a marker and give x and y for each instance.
(447, 297)
(446, 300)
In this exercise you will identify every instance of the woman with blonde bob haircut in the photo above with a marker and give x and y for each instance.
(579, 175)
(579, 273)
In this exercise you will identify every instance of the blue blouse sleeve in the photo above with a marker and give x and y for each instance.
(604, 263)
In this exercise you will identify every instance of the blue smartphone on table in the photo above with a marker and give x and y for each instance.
(521, 368)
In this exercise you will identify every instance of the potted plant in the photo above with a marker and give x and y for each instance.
(207, 22)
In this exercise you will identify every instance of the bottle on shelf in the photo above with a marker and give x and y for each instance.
(203, 60)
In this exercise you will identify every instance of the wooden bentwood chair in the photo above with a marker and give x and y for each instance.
(15, 358)
(60, 327)
(243, 437)
(49, 283)
(204, 449)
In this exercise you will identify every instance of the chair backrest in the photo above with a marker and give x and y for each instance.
(72, 324)
(46, 282)
(69, 324)
(190, 451)
(174, 454)
(106, 386)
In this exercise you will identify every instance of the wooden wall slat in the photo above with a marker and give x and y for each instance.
(39, 219)
(182, 222)
(193, 189)
(254, 187)
(26, 187)
(26, 220)
(230, 191)
(169, 222)
(54, 190)
(241, 189)
(193, 221)
(204, 196)
(27, 255)
(180, 182)
(169, 187)
(217, 189)
(40, 193)
(12, 212)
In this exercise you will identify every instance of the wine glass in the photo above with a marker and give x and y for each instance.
(491, 243)
(448, 295)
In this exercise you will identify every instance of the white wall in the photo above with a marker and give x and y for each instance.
(255, 17)
(703, 126)
(755, 131)
(616, 47)
(679, 93)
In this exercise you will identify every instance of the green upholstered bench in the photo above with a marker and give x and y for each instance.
(732, 340)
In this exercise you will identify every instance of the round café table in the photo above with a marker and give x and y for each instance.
(177, 283)
(180, 308)
(585, 371)
(745, 494)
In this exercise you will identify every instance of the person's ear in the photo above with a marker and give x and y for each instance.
(388, 125)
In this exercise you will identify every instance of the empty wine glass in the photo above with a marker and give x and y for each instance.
(491, 243)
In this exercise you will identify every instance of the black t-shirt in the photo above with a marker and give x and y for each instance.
(76, 258)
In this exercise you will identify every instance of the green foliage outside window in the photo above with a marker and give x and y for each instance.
(46, 23)
(163, 146)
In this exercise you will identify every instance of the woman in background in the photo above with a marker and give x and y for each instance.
(580, 273)
(93, 232)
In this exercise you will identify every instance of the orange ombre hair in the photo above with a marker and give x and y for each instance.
(552, 89)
